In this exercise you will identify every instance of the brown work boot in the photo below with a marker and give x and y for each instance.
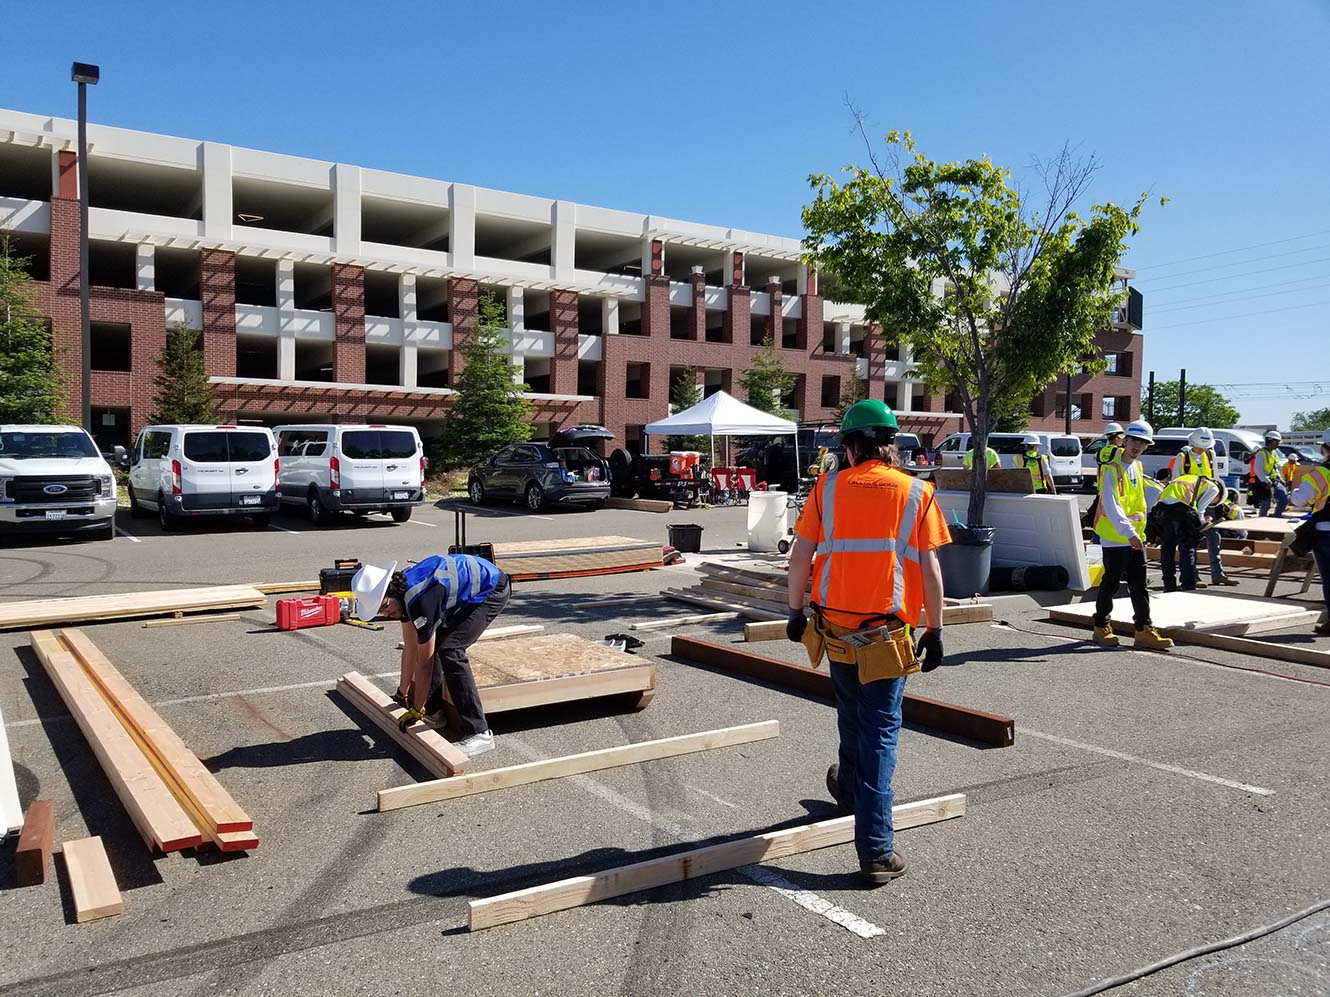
(1105, 635)
(1152, 639)
(833, 789)
(877, 873)
(1225, 580)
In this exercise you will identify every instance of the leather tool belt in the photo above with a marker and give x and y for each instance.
(881, 652)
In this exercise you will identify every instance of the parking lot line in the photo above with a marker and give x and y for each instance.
(127, 536)
(421, 522)
(283, 529)
(1161, 766)
(811, 901)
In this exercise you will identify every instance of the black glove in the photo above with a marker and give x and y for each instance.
(796, 625)
(929, 649)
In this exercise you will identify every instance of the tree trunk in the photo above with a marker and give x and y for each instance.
(979, 481)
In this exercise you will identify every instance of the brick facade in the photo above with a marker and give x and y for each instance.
(348, 304)
(1089, 392)
(563, 327)
(217, 288)
(464, 313)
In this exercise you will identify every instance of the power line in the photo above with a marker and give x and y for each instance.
(1268, 311)
(1235, 263)
(1230, 252)
(1169, 305)
(1179, 307)
(1235, 276)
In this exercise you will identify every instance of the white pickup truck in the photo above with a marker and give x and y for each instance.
(54, 480)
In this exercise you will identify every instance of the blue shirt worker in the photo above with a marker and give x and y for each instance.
(445, 603)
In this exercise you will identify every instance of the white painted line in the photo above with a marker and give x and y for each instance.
(1121, 756)
(811, 901)
(421, 522)
(127, 536)
(283, 529)
(710, 796)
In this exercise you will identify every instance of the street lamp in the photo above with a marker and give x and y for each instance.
(82, 73)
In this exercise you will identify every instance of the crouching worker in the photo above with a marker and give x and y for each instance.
(445, 603)
(869, 533)
(1177, 524)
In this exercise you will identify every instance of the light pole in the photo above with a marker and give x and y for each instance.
(82, 73)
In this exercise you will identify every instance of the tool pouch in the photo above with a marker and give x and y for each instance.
(813, 641)
(888, 656)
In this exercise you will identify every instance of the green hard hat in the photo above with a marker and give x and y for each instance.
(868, 414)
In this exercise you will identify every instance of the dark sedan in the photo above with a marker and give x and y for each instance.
(542, 474)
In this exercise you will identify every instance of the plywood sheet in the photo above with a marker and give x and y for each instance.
(50, 612)
(542, 656)
(1188, 611)
(1032, 530)
(1014, 480)
(1264, 526)
(576, 555)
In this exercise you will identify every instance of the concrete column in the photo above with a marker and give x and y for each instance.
(564, 223)
(145, 267)
(519, 368)
(407, 374)
(842, 337)
(609, 316)
(462, 225)
(515, 305)
(218, 213)
(346, 209)
(726, 269)
(286, 306)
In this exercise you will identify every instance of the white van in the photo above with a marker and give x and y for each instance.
(53, 480)
(183, 471)
(330, 467)
(1233, 450)
(1009, 447)
(1064, 457)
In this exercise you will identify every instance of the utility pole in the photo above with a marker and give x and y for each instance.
(1182, 397)
(1067, 415)
(1150, 400)
(83, 74)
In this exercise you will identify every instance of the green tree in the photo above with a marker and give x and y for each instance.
(30, 381)
(182, 392)
(1304, 421)
(1011, 415)
(852, 390)
(767, 382)
(995, 296)
(685, 392)
(1205, 407)
(488, 411)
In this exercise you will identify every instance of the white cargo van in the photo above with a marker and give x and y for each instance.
(1233, 450)
(360, 468)
(183, 471)
(1064, 458)
(1010, 446)
(53, 480)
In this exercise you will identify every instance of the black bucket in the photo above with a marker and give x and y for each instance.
(685, 537)
(966, 561)
(1043, 577)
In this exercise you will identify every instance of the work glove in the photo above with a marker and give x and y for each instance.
(400, 698)
(408, 718)
(796, 625)
(929, 649)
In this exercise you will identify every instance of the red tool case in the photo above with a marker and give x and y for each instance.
(313, 611)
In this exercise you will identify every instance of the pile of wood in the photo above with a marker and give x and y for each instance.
(53, 612)
(753, 593)
(173, 800)
(530, 560)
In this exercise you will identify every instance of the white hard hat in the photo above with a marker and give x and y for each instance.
(1141, 430)
(1112, 429)
(1325, 438)
(1031, 439)
(1202, 438)
(368, 585)
(1275, 435)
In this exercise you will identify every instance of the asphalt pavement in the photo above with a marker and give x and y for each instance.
(1151, 803)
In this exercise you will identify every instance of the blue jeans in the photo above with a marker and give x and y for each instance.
(869, 720)
(1321, 551)
(1214, 546)
(1280, 495)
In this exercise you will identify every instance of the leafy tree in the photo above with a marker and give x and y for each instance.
(30, 381)
(488, 411)
(685, 392)
(1205, 406)
(852, 390)
(182, 391)
(767, 382)
(1304, 421)
(995, 296)
(1011, 415)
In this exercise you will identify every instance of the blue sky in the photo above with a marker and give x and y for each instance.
(717, 112)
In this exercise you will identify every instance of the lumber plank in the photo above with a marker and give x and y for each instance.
(977, 725)
(498, 633)
(277, 588)
(160, 819)
(11, 810)
(587, 761)
(220, 811)
(566, 688)
(770, 599)
(52, 612)
(980, 612)
(1222, 631)
(706, 602)
(628, 600)
(1230, 559)
(1256, 648)
(640, 504)
(696, 862)
(428, 746)
(683, 621)
(34, 844)
(91, 881)
(186, 620)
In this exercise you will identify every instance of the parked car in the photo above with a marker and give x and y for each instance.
(543, 474)
(53, 480)
(183, 471)
(330, 468)
(773, 457)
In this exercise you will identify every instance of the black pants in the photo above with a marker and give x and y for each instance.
(1120, 561)
(1174, 554)
(453, 668)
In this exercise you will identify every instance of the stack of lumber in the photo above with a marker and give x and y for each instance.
(530, 560)
(422, 742)
(53, 612)
(173, 800)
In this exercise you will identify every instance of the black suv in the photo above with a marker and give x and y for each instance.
(542, 474)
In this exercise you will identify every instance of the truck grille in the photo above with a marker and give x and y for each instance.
(32, 489)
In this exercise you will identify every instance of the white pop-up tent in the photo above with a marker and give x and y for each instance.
(722, 414)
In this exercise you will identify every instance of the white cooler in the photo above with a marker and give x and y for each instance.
(768, 519)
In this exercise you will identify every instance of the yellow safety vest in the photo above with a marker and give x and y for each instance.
(1108, 453)
(990, 456)
(1131, 494)
(1269, 461)
(1191, 464)
(1037, 463)
(1186, 489)
(1319, 477)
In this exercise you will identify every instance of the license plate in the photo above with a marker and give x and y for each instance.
(249, 500)
(401, 496)
(55, 513)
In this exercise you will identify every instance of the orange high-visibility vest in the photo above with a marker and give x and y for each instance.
(866, 564)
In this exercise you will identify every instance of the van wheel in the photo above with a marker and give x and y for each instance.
(165, 518)
(136, 511)
(535, 497)
(317, 513)
(401, 515)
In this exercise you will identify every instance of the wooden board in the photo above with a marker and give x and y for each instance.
(570, 688)
(91, 882)
(628, 600)
(581, 890)
(1263, 526)
(683, 621)
(11, 811)
(184, 770)
(421, 741)
(977, 725)
(1195, 611)
(640, 504)
(587, 761)
(1013, 480)
(34, 844)
(527, 560)
(499, 633)
(980, 612)
(1230, 559)
(159, 817)
(706, 602)
(52, 612)
(277, 588)
(186, 620)
(540, 656)
(1256, 648)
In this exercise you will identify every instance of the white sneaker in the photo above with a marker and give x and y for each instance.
(476, 744)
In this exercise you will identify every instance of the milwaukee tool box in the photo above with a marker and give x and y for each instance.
(313, 611)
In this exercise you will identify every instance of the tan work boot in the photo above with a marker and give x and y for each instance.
(1105, 635)
(1149, 637)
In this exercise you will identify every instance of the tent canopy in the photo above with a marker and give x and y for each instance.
(721, 414)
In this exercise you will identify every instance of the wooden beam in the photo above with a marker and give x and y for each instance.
(683, 621)
(34, 844)
(628, 600)
(706, 602)
(184, 773)
(498, 633)
(425, 744)
(694, 863)
(53, 612)
(567, 688)
(160, 819)
(640, 505)
(976, 725)
(951, 616)
(276, 588)
(1256, 648)
(587, 761)
(91, 882)
(186, 620)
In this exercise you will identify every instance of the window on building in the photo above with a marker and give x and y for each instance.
(830, 390)
(110, 346)
(1109, 409)
(638, 381)
(587, 371)
(1111, 362)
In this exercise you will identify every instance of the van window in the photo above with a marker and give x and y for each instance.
(302, 443)
(1167, 446)
(156, 445)
(249, 447)
(374, 444)
(1007, 444)
(397, 444)
(1064, 446)
(206, 448)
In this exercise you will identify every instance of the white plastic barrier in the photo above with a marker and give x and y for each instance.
(768, 519)
(1031, 530)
